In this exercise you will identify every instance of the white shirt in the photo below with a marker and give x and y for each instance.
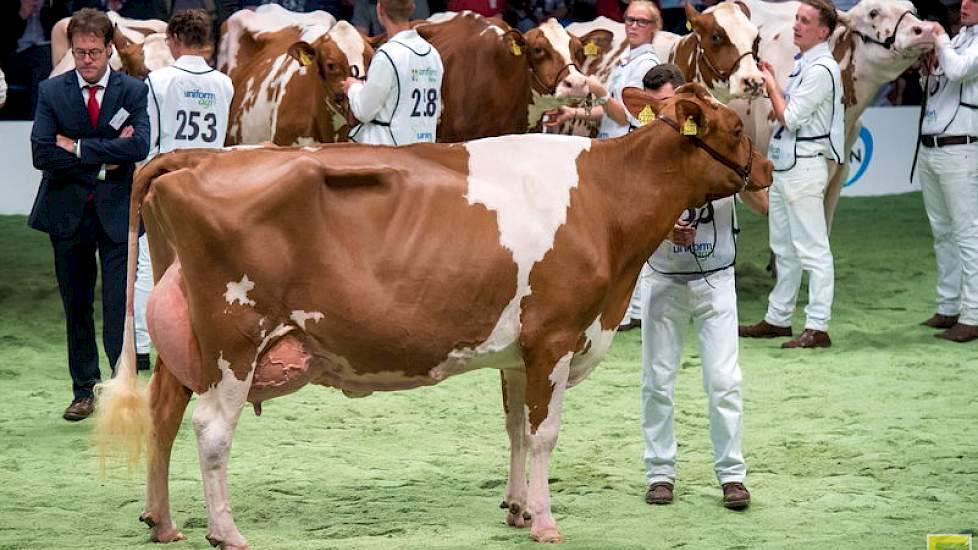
(955, 81)
(810, 97)
(188, 106)
(99, 94)
(400, 102)
(627, 74)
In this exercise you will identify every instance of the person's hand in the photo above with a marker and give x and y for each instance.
(596, 87)
(937, 28)
(683, 235)
(928, 63)
(559, 116)
(126, 132)
(768, 71)
(347, 82)
(65, 143)
(27, 8)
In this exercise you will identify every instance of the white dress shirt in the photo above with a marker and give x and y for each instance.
(954, 82)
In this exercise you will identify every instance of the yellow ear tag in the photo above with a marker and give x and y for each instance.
(517, 51)
(304, 59)
(591, 49)
(646, 115)
(689, 127)
(689, 26)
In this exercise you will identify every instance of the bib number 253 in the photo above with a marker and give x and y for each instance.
(425, 101)
(189, 129)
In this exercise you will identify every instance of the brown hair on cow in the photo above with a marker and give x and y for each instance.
(91, 21)
(399, 11)
(192, 28)
(827, 16)
(660, 75)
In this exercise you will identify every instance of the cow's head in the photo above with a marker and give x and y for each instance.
(889, 30)
(722, 156)
(335, 55)
(555, 57)
(727, 43)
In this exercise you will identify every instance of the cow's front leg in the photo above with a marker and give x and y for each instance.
(514, 404)
(546, 382)
(215, 419)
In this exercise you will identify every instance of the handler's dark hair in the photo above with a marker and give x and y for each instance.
(660, 75)
(827, 16)
(91, 21)
(192, 28)
(399, 11)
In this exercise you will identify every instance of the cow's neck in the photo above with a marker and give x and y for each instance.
(688, 56)
(643, 200)
(860, 79)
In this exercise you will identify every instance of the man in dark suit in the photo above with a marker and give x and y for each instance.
(90, 127)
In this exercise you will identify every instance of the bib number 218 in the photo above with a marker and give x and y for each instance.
(425, 101)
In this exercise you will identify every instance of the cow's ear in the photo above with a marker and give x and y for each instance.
(597, 42)
(692, 16)
(119, 40)
(743, 7)
(303, 52)
(376, 41)
(690, 116)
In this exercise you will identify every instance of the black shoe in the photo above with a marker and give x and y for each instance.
(142, 361)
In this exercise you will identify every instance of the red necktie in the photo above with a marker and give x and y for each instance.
(93, 106)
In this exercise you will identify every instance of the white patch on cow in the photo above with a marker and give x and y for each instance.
(300, 317)
(558, 38)
(238, 292)
(541, 444)
(310, 149)
(300, 141)
(530, 194)
(585, 361)
(258, 121)
(241, 147)
(156, 52)
(445, 16)
(350, 42)
(273, 17)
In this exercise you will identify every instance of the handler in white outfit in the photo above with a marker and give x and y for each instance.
(811, 132)
(188, 107)
(401, 100)
(642, 18)
(948, 168)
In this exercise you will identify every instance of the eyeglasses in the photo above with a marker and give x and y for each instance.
(94, 53)
(637, 21)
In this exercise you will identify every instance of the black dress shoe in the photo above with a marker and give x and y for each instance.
(941, 321)
(960, 333)
(142, 361)
(631, 324)
(80, 409)
(763, 329)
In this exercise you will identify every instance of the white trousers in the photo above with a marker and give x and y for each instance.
(144, 284)
(669, 305)
(634, 310)
(949, 178)
(800, 242)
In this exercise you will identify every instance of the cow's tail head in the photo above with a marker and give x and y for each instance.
(122, 416)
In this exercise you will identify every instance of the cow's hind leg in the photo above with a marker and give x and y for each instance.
(215, 419)
(514, 404)
(546, 382)
(168, 400)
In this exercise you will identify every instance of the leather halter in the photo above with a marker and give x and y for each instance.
(890, 40)
(742, 171)
(552, 89)
(725, 75)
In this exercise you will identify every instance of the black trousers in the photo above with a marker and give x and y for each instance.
(24, 72)
(76, 270)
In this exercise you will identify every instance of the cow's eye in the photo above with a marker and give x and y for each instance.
(538, 51)
(873, 13)
(331, 67)
(717, 38)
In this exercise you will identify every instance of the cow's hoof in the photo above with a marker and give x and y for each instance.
(147, 518)
(549, 536)
(517, 516)
(218, 543)
(160, 533)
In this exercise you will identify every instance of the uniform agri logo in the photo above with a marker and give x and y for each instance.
(204, 99)
(949, 542)
(860, 156)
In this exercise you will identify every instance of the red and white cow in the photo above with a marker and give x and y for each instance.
(140, 45)
(275, 269)
(493, 72)
(286, 73)
(875, 41)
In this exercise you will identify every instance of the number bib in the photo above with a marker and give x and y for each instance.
(193, 107)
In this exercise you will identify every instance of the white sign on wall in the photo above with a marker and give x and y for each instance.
(880, 161)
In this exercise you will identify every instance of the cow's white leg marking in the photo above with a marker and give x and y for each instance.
(215, 419)
(517, 428)
(541, 445)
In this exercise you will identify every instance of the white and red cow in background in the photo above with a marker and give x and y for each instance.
(140, 46)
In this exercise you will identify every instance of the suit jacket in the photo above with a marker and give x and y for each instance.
(12, 26)
(67, 180)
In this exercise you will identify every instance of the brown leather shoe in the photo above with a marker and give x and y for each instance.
(659, 493)
(763, 330)
(735, 496)
(960, 332)
(809, 339)
(80, 409)
(941, 321)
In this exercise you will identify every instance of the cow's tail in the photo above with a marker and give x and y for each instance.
(123, 422)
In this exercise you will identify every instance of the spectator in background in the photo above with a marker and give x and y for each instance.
(90, 128)
(142, 9)
(25, 49)
(545, 9)
(488, 8)
(519, 15)
(365, 15)
(305, 6)
(612, 9)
